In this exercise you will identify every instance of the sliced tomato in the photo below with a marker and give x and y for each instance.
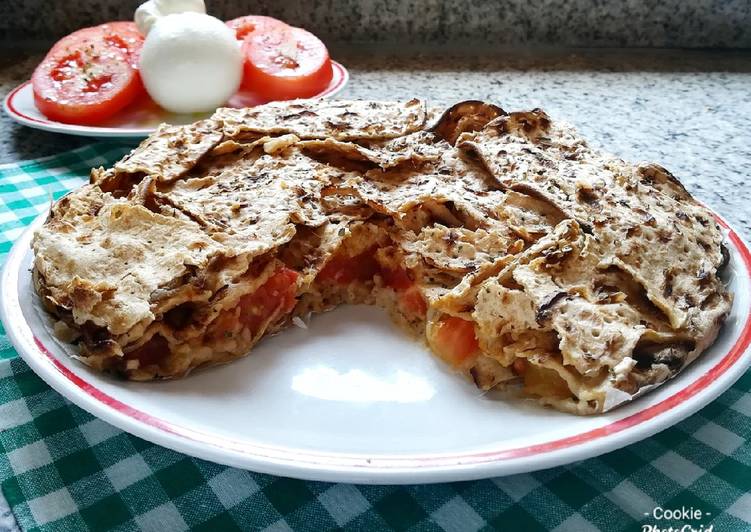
(89, 75)
(284, 63)
(409, 297)
(397, 279)
(151, 352)
(412, 301)
(455, 340)
(244, 26)
(121, 34)
(125, 36)
(275, 296)
(345, 270)
(224, 326)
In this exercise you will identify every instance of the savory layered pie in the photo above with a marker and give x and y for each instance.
(525, 258)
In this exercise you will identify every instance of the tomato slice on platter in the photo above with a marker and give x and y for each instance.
(125, 36)
(285, 63)
(89, 75)
(120, 34)
(244, 26)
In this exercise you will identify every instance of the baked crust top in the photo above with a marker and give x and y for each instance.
(600, 275)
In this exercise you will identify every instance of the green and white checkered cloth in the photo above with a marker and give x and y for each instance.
(63, 469)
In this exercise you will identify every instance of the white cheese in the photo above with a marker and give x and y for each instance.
(191, 63)
(149, 12)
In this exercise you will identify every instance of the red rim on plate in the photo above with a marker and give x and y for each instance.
(732, 356)
(308, 464)
(12, 108)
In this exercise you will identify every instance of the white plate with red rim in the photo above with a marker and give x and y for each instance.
(140, 118)
(353, 399)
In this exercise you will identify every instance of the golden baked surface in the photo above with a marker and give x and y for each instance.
(525, 258)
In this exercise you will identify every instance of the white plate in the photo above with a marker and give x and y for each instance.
(137, 120)
(352, 399)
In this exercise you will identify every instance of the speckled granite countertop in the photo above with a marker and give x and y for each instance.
(689, 111)
(572, 23)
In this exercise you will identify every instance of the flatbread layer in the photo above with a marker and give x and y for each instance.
(526, 259)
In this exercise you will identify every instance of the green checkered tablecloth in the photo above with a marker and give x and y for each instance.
(63, 469)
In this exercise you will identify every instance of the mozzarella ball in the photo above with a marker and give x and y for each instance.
(149, 12)
(191, 63)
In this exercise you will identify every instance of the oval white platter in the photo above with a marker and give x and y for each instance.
(353, 399)
(137, 120)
